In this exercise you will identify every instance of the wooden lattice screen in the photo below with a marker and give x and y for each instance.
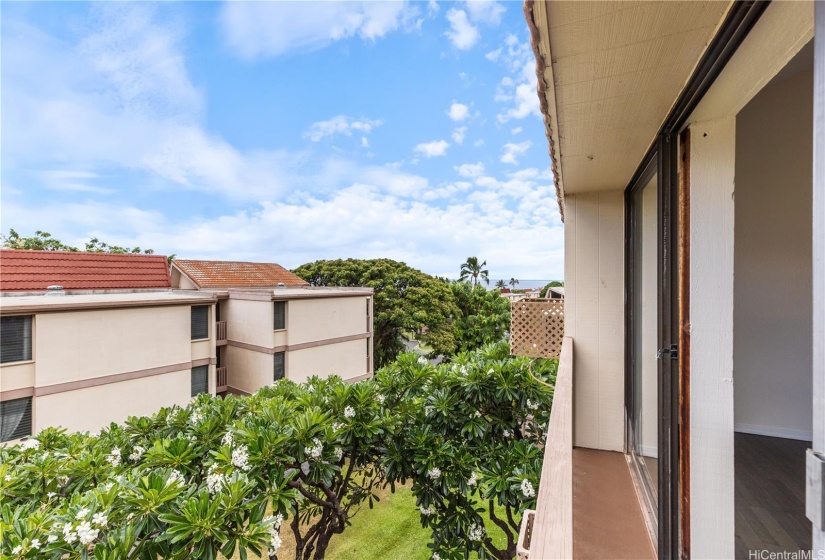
(536, 327)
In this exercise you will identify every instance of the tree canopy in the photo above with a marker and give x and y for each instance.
(484, 316)
(43, 241)
(231, 475)
(473, 270)
(553, 284)
(406, 300)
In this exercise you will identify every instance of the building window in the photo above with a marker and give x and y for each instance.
(15, 419)
(15, 339)
(280, 361)
(280, 315)
(200, 322)
(200, 380)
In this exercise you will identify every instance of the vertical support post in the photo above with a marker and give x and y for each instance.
(819, 252)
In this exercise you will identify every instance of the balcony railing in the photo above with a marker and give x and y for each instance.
(220, 384)
(536, 327)
(221, 331)
(549, 533)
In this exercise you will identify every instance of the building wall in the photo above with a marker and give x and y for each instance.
(772, 352)
(88, 344)
(310, 320)
(95, 407)
(346, 359)
(251, 322)
(594, 315)
(249, 370)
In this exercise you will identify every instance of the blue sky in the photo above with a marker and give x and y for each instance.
(282, 131)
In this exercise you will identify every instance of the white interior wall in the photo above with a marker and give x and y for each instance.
(594, 315)
(712, 161)
(772, 286)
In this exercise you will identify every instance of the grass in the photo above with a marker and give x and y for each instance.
(391, 530)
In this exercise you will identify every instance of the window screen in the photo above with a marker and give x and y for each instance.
(15, 419)
(15, 339)
(200, 322)
(280, 315)
(279, 365)
(200, 380)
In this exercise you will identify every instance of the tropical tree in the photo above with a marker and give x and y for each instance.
(471, 444)
(405, 300)
(474, 270)
(43, 241)
(484, 316)
(500, 284)
(553, 284)
(219, 475)
(513, 282)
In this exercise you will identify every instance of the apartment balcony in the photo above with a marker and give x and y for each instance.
(220, 380)
(587, 505)
(220, 330)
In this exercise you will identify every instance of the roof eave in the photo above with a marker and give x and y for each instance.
(535, 13)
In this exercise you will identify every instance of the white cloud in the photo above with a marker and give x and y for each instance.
(364, 142)
(340, 124)
(254, 29)
(519, 87)
(485, 11)
(458, 135)
(436, 148)
(493, 55)
(432, 8)
(462, 33)
(458, 111)
(516, 130)
(470, 169)
(511, 151)
(478, 143)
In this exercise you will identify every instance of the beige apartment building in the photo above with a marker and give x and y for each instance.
(115, 341)
(273, 325)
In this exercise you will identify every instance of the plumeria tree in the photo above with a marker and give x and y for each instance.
(472, 444)
(216, 476)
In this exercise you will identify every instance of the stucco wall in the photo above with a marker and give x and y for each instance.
(88, 344)
(773, 291)
(346, 359)
(249, 321)
(594, 315)
(248, 370)
(309, 320)
(94, 407)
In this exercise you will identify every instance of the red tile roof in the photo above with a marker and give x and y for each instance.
(229, 274)
(22, 270)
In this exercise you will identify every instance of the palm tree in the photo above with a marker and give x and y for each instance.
(500, 284)
(472, 269)
(513, 282)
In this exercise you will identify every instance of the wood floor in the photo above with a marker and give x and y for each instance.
(770, 495)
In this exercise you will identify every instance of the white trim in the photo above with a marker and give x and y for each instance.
(649, 451)
(772, 431)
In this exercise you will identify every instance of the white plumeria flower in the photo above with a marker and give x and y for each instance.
(381, 399)
(82, 514)
(531, 405)
(99, 519)
(527, 489)
(349, 412)
(473, 480)
(339, 453)
(176, 477)
(315, 450)
(478, 414)
(427, 510)
(85, 533)
(51, 539)
(50, 495)
(434, 473)
(227, 439)
(214, 480)
(422, 360)
(17, 549)
(476, 533)
(275, 541)
(240, 458)
(506, 433)
(436, 556)
(114, 457)
(196, 417)
(30, 444)
(35, 543)
(337, 426)
(7, 478)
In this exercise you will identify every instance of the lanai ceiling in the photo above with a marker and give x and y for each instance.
(617, 68)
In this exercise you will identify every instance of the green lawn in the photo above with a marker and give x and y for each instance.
(390, 531)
